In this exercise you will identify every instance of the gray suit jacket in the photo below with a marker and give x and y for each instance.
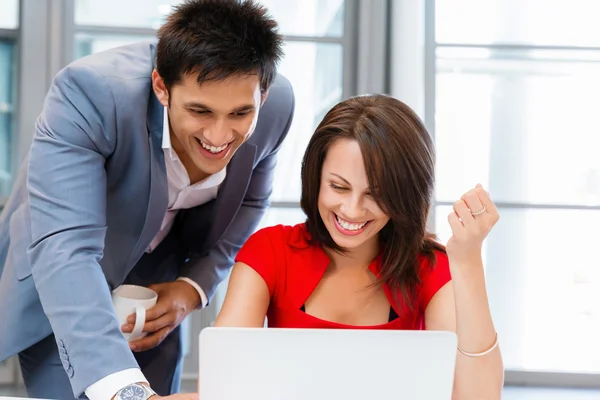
(92, 195)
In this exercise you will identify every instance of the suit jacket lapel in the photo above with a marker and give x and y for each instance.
(158, 191)
(232, 191)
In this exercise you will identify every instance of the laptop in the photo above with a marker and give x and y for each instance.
(325, 364)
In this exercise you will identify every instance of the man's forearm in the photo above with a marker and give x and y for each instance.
(209, 271)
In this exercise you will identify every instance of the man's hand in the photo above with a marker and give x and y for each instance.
(175, 301)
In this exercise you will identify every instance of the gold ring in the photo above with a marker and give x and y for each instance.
(476, 213)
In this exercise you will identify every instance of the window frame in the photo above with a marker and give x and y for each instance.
(12, 35)
(39, 56)
(516, 377)
(8, 368)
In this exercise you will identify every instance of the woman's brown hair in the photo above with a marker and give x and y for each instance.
(399, 161)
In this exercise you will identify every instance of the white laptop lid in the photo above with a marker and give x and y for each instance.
(325, 364)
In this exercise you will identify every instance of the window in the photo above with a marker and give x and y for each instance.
(99, 28)
(131, 13)
(7, 73)
(284, 216)
(312, 18)
(9, 22)
(531, 22)
(515, 110)
(87, 43)
(9, 18)
(315, 67)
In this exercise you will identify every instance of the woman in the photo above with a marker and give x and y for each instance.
(363, 259)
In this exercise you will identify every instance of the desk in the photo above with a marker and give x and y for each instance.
(14, 398)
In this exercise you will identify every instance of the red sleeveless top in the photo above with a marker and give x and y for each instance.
(292, 268)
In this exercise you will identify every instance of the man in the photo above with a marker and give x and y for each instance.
(149, 165)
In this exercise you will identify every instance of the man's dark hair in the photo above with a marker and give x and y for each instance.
(217, 39)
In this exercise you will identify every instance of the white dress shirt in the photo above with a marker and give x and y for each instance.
(182, 195)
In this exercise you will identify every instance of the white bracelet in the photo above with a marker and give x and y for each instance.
(483, 353)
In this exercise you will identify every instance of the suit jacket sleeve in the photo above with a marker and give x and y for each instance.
(74, 135)
(211, 269)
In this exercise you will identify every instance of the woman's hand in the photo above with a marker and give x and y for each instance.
(473, 218)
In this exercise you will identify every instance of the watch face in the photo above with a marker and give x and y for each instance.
(133, 392)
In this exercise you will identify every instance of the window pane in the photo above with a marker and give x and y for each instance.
(7, 86)
(526, 128)
(544, 287)
(86, 44)
(533, 22)
(282, 216)
(295, 17)
(9, 14)
(308, 17)
(315, 71)
(129, 13)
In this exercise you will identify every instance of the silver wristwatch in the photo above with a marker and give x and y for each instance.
(134, 391)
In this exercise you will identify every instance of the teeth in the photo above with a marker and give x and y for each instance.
(213, 149)
(348, 226)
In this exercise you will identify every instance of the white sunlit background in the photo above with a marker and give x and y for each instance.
(515, 101)
(508, 88)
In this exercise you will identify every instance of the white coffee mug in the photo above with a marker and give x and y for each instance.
(132, 299)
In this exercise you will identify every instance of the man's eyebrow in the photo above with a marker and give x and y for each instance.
(243, 107)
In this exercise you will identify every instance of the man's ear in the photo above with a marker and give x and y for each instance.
(160, 89)
(264, 97)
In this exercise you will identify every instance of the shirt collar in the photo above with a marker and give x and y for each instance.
(166, 139)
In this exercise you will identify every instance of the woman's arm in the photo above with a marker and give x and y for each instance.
(247, 299)
(462, 304)
(467, 313)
